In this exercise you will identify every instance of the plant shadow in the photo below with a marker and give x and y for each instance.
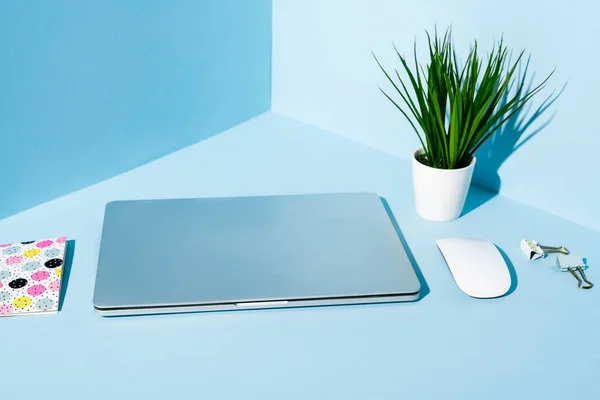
(66, 272)
(424, 287)
(516, 132)
(477, 197)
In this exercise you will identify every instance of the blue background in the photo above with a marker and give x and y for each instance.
(539, 342)
(91, 89)
(324, 75)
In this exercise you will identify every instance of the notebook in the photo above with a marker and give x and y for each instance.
(31, 276)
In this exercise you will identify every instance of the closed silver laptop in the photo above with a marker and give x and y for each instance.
(182, 255)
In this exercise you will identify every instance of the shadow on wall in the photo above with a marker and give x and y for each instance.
(511, 136)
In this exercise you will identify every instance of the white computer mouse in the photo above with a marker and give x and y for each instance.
(477, 266)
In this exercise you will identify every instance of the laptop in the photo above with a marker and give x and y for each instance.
(257, 252)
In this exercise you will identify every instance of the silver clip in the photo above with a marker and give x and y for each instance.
(588, 285)
(533, 250)
(575, 264)
(553, 249)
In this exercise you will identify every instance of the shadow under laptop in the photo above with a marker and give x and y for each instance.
(424, 287)
(66, 272)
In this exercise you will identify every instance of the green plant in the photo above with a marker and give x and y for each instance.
(458, 109)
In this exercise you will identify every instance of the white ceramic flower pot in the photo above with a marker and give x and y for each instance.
(440, 194)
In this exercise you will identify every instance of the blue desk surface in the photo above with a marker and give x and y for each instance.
(541, 341)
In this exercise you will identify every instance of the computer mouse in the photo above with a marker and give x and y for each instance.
(477, 266)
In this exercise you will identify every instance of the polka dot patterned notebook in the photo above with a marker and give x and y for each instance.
(31, 276)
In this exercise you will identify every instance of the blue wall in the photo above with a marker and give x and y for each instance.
(90, 89)
(324, 74)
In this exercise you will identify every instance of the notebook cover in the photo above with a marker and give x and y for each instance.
(31, 276)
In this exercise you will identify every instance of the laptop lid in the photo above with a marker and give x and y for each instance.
(159, 256)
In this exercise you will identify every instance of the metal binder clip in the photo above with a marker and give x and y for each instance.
(533, 250)
(575, 264)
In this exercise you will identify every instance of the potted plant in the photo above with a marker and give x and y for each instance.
(453, 110)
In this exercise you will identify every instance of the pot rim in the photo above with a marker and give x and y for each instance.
(420, 150)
